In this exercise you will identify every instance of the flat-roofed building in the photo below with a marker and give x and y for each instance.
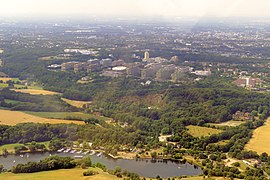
(68, 66)
(165, 73)
(134, 70)
(80, 67)
(93, 68)
(93, 61)
(119, 62)
(106, 62)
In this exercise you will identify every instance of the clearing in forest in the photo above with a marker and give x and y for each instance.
(198, 131)
(36, 91)
(78, 104)
(8, 117)
(231, 123)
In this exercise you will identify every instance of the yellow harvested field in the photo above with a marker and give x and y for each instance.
(15, 117)
(36, 91)
(198, 131)
(6, 79)
(74, 103)
(260, 141)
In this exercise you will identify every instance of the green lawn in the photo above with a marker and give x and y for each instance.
(224, 142)
(11, 101)
(63, 174)
(17, 86)
(198, 131)
(64, 115)
(10, 147)
(3, 85)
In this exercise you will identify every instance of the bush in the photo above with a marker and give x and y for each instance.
(101, 166)
(1, 168)
(90, 173)
(86, 162)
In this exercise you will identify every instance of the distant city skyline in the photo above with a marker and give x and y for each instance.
(131, 8)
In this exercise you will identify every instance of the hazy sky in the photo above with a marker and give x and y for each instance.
(137, 7)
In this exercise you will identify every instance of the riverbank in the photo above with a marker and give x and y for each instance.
(142, 167)
(10, 148)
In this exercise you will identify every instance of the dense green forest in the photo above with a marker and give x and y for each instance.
(146, 110)
(50, 163)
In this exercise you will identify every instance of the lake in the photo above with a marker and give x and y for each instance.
(145, 168)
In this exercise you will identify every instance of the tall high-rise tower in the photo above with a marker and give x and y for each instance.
(146, 55)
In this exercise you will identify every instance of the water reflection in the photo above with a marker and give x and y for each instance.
(143, 167)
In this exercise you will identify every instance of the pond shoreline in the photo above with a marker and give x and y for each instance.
(143, 167)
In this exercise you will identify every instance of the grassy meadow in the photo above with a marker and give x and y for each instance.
(8, 117)
(78, 104)
(231, 123)
(10, 147)
(65, 115)
(9, 79)
(198, 131)
(260, 141)
(35, 91)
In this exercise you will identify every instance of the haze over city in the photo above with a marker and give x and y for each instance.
(127, 8)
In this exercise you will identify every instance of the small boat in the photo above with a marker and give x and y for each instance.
(99, 154)
(60, 150)
(78, 156)
(73, 151)
(27, 155)
(21, 155)
(92, 152)
(79, 152)
(14, 161)
(86, 152)
(67, 150)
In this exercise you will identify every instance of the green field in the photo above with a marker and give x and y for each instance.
(10, 147)
(3, 85)
(18, 86)
(11, 101)
(231, 123)
(198, 131)
(63, 174)
(65, 115)
(224, 142)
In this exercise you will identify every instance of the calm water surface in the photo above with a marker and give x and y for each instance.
(145, 168)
